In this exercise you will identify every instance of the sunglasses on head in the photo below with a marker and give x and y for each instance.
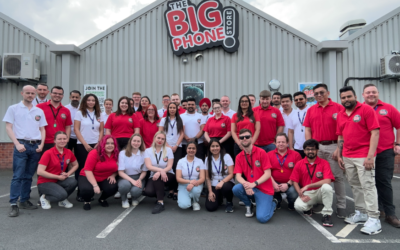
(244, 136)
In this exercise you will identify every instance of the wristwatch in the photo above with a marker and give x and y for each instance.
(256, 182)
(397, 144)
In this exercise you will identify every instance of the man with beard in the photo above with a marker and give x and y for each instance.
(276, 101)
(358, 130)
(205, 105)
(75, 98)
(389, 119)
(184, 104)
(295, 123)
(177, 100)
(41, 90)
(286, 102)
(311, 178)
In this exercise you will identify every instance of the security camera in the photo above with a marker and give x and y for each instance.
(198, 56)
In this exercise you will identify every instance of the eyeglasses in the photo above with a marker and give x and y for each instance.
(165, 100)
(216, 108)
(319, 93)
(57, 93)
(244, 101)
(150, 110)
(244, 137)
(310, 149)
(300, 99)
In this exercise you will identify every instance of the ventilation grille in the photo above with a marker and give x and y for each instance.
(394, 64)
(12, 65)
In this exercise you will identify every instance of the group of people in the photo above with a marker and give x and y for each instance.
(256, 153)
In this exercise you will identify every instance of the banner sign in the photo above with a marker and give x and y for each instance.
(99, 90)
(194, 90)
(307, 88)
(193, 28)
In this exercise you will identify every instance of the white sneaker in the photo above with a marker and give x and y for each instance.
(45, 204)
(241, 203)
(196, 206)
(356, 218)
(65, 203)
(129, 195)
(135, 202)
(125, 204)
(117, 195)
(249, 212)
(372, 226)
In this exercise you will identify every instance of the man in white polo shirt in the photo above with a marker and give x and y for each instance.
(73, 106)
(42, 90)
(25, 127)
(295, 123)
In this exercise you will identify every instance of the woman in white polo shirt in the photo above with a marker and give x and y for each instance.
(190, 174)
(159, 159)
(132, 170)
(88, 129)
(219, 176)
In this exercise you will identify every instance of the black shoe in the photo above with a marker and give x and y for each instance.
(229, 207)
(307, 213)
(175, 198)
(103, 203)
(326, 221)
(158, 208)
(290, 207)
(80, 199)
(14, 211)
(27, 205)
(170, 195)
(277, 204)
(87, 206)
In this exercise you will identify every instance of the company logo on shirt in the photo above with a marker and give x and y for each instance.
(357, 118)
(258, 164)
(273, 115)
(251, 120)
(226, 167)
(291, 165)
(319, 175)
(198, 169)
(334, 116)
(98, 119)
(223, 125)
(383, 112)
(63, 116)
(68, 160)
(37, 118)
(130, 120)
(198, 121)
(165, 159)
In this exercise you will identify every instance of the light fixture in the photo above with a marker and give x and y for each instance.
(185, 60)
(274, 85)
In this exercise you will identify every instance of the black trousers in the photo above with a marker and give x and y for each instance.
(237, 151)
(72, 144)
(301, 152)
(87, 191)
(122, 143)
(156, 188)
(81, 155)
(225, 191)
(46, 147)
(229, 147)
(384, 167)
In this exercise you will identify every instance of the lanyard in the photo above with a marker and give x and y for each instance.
(301, 121)
(172, 127)
(190, 173)
(281, 163)
(158, 159)
(55, 115)
(215, 166)
(61, 162)
(376, 107)
(309, 173)
(37, 101)
(92, 119)
(248, 163)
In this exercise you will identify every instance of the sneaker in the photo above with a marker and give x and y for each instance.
(129, 196)
(317, 209)
(175, 197)
(308, 213)
(393, 221)
(196, 206)
(125, 204)
(356, 218)
(14, 211)
(326, 221)
(87, 206)
(170, 195)
(117, 196)
(241, 203)
(45, 203)
(229, 207)
(158, 208)
(27, 205)
(103, 203)
(253, 202)
(65, 203)
(372, 226)
(38, 203)
(135, 202)
(249, 211)
(278, 206)
(341, 213)
(290, 207)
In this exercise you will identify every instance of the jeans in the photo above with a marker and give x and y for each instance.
(265, 205)
(58, 191)
(125, 187)
(185, 197)
(268, 147)
(291, 194)
(24, 167)
(383, 177)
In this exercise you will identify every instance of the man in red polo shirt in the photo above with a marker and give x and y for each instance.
(320, 124)
(271, 122)
(389, 118)
(283, 161)
(358, 130)
(177, 100)
(254, 163)
(57, 116)
(311, 178)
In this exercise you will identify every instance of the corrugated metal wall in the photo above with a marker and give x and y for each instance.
(362, 59)
(138, 57)
(14, 39)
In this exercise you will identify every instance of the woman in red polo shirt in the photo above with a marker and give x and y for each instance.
(53, 182)
(143, 105)
(123, 123)
(218, 127)
(244, 118)
(99, 172)
(149, 125)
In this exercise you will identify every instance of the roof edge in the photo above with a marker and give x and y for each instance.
(332, 45)
(60, 49)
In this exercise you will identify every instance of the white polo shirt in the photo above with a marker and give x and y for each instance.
(190, 170)
(37, 101)
(131, 165)
(103, 118)
(162, 159)
(161, 112)
(216, 167)
(73, 111)
(230, 113)
(172, 134)
(192, 123)
(26, 123)
(89, 129)
(286, 119)
(204, 120)
(295, 122)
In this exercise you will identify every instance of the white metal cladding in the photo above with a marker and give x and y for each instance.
(137, 57)
(15, 38)
(362, 58)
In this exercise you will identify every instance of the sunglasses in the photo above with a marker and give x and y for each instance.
(245, 136)
(299, 99)
(319, 93)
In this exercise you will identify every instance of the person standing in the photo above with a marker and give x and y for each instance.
(358, 131)
(205, 105)
(276, 101)
(184, 104)
(388, 147)
(252, 100)
(57, 117)
(165, 101)
(148, 126)
(42, 90)
(136, 96)
(295, 123)
(25, 126)
(73, 106)
(225, 102)
(320, 124)
(287, 110)
(271, 122)
(108, 105)
(177, 100)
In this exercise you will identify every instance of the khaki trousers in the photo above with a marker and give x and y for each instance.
(322, 195)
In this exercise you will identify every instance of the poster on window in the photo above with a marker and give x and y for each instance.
(100, 90)
(194, 90)
(307, 88)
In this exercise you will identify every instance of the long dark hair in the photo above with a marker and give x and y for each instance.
(130, 110)
(210, 157)
(178, 118)
(140, 103)
(249, 113)
(83, 107)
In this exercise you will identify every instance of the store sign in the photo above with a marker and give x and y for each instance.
(192, 28)
(100, 90)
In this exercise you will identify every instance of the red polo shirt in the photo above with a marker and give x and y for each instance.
(180, 110)
(63, 119)
(270, 119)
(148, 130)
(320, 168)
(52, 160)
(322, 121)
(245, 123)
(122, 126)
(259, 161)
(218, 127)
(281, 174)
(139, 115)
(389, 118)
(101, 170)
(356, 130)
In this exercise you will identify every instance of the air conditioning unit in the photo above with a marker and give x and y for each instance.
(390, 66)
(21, 65)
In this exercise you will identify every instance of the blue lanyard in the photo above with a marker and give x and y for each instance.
(190, 173)
(304, 115)
(172, 127)
(281, 163)
(376, 107)
(92, 119)
(61, 162)
(215, 166)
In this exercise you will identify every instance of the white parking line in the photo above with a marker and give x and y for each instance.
(346, 230)
(397, 177)
(118, 220)
(369, 241)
